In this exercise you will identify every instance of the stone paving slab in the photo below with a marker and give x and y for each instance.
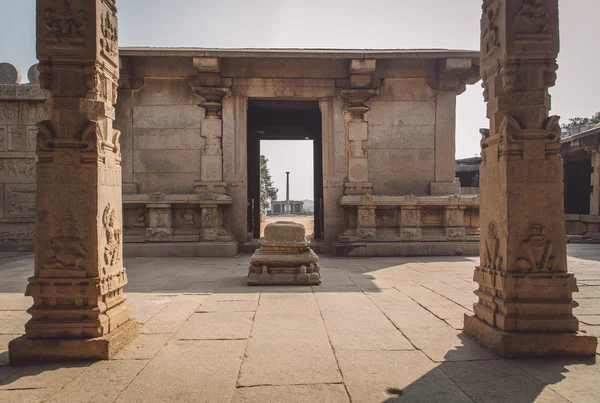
(330, 393)
(377, 376)
(498, 381)
(101, 382)
(381, 329)
(189, 371)
(216, 326)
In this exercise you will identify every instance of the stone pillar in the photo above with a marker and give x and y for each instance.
(287, 186)
(207, 85)
(595, 196)
(357, 127)
(79, 309)
(525, 305)
(451, 76)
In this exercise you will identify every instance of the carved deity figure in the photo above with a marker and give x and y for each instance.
(140, 221)
(112, 250)
(490, 258)
(66, 250)
(490, 31)
(534, 14)
(64, 26)
(537, 249)
(188, 217)
(110, 34)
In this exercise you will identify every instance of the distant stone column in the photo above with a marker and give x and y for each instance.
(287, 187)
(207, 85)
(79, 309)
(360, 91)
(525, 305)
(595, 196)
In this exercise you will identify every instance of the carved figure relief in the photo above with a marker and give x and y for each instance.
(490, 258)
(110, 36)
(140, 221)
(537, 251)
(20, 204)
(410, 217)
(410, 234)
(454, 218)
(366, 217)
(65, 251)
(188, 217)
(366, 233)
(65, 27)
(158, 234)
(534, 14)
(161, 218)
(112, 250)
(13, 168)
(455, 233)
(490, 31)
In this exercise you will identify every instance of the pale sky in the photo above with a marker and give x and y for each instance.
(392, 24)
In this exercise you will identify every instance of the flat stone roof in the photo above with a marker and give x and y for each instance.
(301, 53)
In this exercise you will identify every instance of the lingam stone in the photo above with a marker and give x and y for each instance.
(284, 257)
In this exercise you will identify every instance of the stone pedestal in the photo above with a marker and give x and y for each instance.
(284, 257)
(77, 286)
(525, 291)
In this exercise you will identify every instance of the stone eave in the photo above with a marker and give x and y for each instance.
(301, 53)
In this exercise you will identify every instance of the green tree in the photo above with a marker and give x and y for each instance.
(268, 192)
(595, 119)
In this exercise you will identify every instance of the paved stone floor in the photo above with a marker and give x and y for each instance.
(377, 330)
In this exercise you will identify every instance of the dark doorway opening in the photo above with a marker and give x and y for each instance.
(578, 184)
(283, 120)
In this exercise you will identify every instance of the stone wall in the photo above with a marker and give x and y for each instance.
(401, 145)
(22, 106)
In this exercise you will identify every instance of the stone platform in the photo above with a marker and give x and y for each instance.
(284, 257)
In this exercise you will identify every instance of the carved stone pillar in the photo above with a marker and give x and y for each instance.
(357, 128)
(207, 85)
(210, 223)
(595, 196)
(79, 309)
(525, 291)
(454, 221)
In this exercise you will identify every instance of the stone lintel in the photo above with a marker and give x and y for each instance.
(24, 350)
(22, 92)
(523, 345)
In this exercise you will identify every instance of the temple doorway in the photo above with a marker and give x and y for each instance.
(289, 134)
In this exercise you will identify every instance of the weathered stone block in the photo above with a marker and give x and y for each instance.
(16, 138)
(401, 113)
(3, 138)
(405, 89)
(358, 169)
(19, 201)
(9, 113)
(388, 137)
(358, 131)
(32, 113)
(160, 91)
(165, 182)
(167, 139)
(167, 161)
(402, 183)
(167, 117)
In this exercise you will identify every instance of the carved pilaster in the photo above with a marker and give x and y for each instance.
(77, 286)
(367, 221)
(207, 86)
(525, 292)
(357, 134)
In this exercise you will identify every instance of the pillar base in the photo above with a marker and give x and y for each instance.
(521, 345)
(24, 350)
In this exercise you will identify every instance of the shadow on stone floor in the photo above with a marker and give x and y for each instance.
(39, 376)
(497, 380)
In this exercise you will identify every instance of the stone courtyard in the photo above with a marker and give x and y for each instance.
(377, 330)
